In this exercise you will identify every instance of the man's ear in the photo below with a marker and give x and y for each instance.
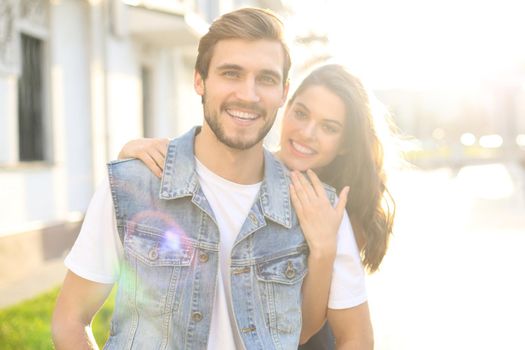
(198, 83)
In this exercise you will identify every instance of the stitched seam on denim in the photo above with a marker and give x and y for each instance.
(254, 261)
(118, 215)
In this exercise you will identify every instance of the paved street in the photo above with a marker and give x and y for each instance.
(454, 277)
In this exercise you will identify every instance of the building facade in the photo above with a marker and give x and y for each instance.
(77, 80)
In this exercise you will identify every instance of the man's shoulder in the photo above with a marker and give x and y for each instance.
(128, 169)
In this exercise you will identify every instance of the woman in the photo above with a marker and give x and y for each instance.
(328, 128)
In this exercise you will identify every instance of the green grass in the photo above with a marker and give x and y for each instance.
(28, 325)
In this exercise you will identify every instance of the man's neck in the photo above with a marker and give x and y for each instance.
(240, 166)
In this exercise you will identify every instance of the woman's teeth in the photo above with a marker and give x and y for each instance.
(302, 149)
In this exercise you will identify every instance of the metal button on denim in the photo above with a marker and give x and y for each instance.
(253, 218)
(153, 254)
(196, 316)
(290, 271)
(203, 257)
(252, 328)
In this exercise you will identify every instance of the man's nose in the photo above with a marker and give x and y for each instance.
(247, 90)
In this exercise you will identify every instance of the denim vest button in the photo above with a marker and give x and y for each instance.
(253, 218)
(153, 254)
(196, 316)
(252, 328)
(290, 271)
(203, 257)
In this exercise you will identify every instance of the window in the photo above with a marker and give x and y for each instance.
(31, 131)
(147, 121)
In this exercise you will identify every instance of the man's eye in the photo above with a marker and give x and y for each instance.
(231, 74)
(268, 80)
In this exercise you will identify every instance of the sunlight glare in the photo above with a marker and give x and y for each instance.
(492, 181)
(520, 140)
(468, 139)
(409, 43)
(491, 141)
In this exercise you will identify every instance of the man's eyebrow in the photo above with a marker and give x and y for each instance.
(227, 66)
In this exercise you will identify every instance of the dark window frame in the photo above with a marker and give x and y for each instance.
(32, 128)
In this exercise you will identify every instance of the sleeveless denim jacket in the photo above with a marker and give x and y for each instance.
(168, 276)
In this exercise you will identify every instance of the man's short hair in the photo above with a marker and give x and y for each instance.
(247, 24)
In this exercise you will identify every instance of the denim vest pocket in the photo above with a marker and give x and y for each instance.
(280, 280)
(156, 248)
(288, 269)
(159, 266)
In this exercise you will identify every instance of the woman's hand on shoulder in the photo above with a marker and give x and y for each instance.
(319, 220)
(152, 152)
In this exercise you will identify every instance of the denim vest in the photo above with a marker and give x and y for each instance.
(171, 240)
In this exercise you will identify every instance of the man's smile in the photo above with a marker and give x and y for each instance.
(242, 115)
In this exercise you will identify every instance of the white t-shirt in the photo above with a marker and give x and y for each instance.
(231, 204)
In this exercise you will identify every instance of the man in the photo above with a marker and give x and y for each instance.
(211, 256)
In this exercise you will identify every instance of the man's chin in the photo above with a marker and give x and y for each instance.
(240, 145)
(240, 141)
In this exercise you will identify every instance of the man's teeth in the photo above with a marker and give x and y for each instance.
(242, 115)
(302, 149)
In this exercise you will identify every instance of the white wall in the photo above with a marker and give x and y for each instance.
(124, 100)
(70, 91)
(8, 124)
(188, 112)
(163, 87)
(98, 19)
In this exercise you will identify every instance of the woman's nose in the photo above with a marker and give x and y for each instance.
(309, 130)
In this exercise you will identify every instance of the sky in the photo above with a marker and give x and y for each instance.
(420, 44)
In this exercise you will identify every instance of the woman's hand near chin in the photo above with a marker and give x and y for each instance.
(319, 220)
(152, 152)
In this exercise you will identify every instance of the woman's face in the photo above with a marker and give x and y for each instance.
(313, 129)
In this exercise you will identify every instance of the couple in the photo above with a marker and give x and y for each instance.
(213, 256)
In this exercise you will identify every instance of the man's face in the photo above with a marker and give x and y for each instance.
(243, 90)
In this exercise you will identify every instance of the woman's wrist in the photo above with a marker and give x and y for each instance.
(322, 254)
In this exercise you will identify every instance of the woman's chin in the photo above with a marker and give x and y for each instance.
(295, 166)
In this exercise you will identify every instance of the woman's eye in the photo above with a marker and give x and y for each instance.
(329, 129)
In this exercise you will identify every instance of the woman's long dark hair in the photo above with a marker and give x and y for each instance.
(360, 166)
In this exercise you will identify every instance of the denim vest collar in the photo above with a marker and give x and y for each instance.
(181, 180)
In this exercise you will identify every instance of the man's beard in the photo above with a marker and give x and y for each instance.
(212, 119)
